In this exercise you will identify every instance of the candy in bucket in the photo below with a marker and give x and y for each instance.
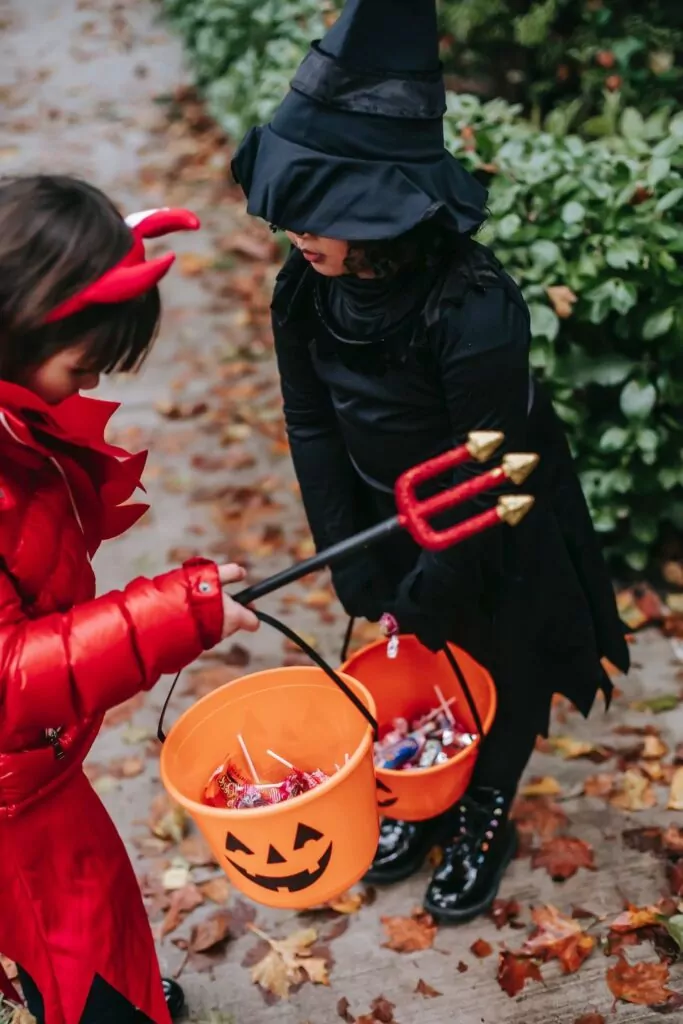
(430, 739)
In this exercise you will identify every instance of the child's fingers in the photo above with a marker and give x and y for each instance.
(231, 573)
(236, 617)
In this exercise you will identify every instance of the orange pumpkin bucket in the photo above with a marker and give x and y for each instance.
(404, 687)
(305, 851)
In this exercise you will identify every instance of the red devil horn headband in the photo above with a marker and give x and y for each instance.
(133, 275)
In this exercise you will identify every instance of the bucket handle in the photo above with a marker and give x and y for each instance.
(270, 620)
(452, 661)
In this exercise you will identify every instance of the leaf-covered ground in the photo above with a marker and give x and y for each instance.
(588, 920)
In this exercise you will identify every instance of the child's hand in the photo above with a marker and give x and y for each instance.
(235, 616)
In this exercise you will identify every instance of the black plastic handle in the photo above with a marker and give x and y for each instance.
(312, 654)
(452, 661)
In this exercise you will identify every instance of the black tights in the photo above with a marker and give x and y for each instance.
(506, 751)
(104, 1005)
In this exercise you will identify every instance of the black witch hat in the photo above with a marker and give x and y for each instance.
(356, 149)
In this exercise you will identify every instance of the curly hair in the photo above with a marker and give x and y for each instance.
(424, 246)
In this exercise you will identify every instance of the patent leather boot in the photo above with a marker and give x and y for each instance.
(404, 845)
(484, 842)
(175, 998)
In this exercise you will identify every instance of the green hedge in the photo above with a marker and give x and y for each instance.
(602, 218)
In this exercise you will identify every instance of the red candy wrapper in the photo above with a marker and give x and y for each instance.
(228, 787)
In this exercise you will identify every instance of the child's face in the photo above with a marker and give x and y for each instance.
(326, 255)
(62, 375)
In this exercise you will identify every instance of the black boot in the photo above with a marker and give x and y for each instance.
(175, 998)
(404, 845)
(466, 882)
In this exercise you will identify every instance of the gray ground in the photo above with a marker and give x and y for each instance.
(78, 82)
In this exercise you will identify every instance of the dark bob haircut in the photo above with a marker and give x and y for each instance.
(57, 235)
(424, 246)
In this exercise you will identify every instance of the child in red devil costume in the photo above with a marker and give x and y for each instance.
(77, 298)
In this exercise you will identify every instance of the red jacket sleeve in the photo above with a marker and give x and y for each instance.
(66, 666)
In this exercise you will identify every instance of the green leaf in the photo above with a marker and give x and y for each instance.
(658, 170)
(669, 200)
(676, 126)
(611, 370)
(658, 324)
(637, 400)
(614, 439)
(632, 124)
(648, 440)
(623, 253)
(658, 705)
(636, 558)
(573, 212)
(674, 926)
(509, 225)
(545, 253)
(544, 322)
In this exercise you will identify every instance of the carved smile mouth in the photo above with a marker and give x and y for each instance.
(385, 789)
(292, 883)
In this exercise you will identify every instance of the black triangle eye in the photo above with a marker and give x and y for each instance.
(382, 786)
(274, 856)
(305, 834)
(233, 845)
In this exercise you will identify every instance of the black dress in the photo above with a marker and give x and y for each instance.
(534, 604)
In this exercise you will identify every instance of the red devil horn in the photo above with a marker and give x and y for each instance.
(155, 223)
(117, 285)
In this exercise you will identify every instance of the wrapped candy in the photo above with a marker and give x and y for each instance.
(429, 739)
(229, 787)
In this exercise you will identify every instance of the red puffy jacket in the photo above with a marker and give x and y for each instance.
(70, 907)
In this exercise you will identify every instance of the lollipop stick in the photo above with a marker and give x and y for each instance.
(247, 758)
(444, 705)
(277, 757)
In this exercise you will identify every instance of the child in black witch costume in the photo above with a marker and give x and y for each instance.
(396, 334)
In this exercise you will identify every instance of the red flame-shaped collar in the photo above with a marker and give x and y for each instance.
(133, 275)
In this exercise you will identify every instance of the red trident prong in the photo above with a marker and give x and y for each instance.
(414, 513)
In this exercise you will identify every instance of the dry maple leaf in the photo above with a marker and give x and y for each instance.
(675, 802)
(410, 934)
(600, 786)
(216, 889)
(546, 786)
(641, 983)
(515, 971)
(210, 933)
(539, 817)
(634, 918)
(563, 856)
(634, 792)
(558, 937)
(590, 1018)
(481, 949)
(562, 299)
(344, 1010)
(504, 912)
(424, 989)
(288, 963)
(167, 820)
(183, 902)
(347, 903)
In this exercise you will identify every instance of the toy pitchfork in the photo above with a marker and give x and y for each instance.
(414, 513)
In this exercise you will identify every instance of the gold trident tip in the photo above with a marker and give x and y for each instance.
(513, 507)
(481, 444)
(518, 466)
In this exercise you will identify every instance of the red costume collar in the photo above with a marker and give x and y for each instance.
(101, 476)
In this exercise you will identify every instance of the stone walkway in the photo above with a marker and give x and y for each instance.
(79, 85)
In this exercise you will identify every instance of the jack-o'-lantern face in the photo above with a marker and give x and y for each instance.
(385, 801)
(317, 858)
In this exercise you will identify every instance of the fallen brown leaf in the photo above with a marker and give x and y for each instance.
(423, 989)
(634, 792)
(643, 984)
(462, 967)
(347, 903)
(546, 786)
(563, 856)
(167, 820)
(481, 949)
(558, 937)
(539, 817)
(344, 1010)
(192, 264)
(590, 1018)
(634, 918)
(515, 971)
(672, 839)
(183, 902)
(410, 934)
(288, 963)
(380, 1010)
(210, 933)
(505, 912)
(644, 840)
(675, 802)
(195, 850)
(640, 605)
(600, 786)
(216, 889)
(654, 748)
